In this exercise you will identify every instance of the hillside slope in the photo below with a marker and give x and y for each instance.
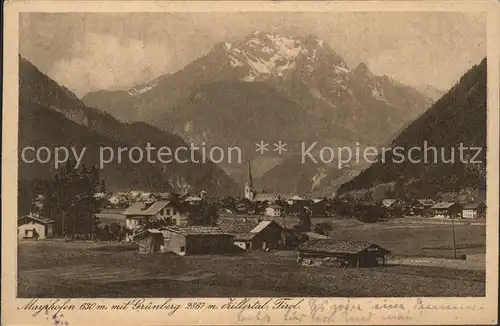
(458, 118)
(51, 115)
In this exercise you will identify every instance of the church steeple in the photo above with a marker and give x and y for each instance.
(250, 179)
(249, 191)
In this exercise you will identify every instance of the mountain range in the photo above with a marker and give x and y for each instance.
(51, 115)
(270, 87)
(456, 119)
(298, 78)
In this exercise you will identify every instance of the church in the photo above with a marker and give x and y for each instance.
(252, 195)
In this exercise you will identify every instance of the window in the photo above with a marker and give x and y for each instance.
(168, 211)
(173, 211)
(183, 248)
(26, 232)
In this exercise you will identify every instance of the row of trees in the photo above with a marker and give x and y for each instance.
(69, 200)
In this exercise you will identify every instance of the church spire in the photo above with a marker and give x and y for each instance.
(250, 179)
(249, 191)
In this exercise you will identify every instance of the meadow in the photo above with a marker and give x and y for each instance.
(90, 269)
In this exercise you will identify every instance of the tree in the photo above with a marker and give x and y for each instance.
(115, 231)
(204, 214)
(69, 200)
(305, 220)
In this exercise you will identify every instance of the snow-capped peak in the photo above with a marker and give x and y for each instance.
(273, 54)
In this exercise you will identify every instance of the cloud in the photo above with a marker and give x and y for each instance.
(103, 61)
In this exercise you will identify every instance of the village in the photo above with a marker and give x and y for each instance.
(273, 228)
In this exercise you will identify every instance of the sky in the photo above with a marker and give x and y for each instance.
(94, 51)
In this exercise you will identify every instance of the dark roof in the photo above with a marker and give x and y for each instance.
(443, 205)
(238, 226)
(35, 218)
(196, 230)
(473, 205)
(337, 246)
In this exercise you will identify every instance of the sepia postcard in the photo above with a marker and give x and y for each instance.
(250, 162)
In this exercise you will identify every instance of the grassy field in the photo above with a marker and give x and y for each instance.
(71, 269)
(413, 239)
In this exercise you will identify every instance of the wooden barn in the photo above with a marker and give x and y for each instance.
(344, 252)
(149, 241)
(196, 240)
(265, 235)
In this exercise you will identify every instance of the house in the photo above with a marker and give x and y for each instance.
(266, 197)
(163, 212)
(273, 210)
(446, 209)
(347, 253)
(196, 240)
(426, 203)
(295, 199)
(474, 210)
(392, 203)
(422, 206)
(33, 226)
(319, 207)
(266, 234)
(192, 200)
(242, 207)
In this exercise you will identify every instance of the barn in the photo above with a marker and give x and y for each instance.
(34, 227)
(265, 235)
(149, 241)
(194, 240)
(345, 252)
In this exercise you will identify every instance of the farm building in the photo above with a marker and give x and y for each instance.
(141, 213)
(265, 235)
(237, 226)
(422, 206)
(196, 240)
(34, 227)
(344, 252)
(274, 210)
(149, 241)
(184, 240)
(446, 209)
(474, 210)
